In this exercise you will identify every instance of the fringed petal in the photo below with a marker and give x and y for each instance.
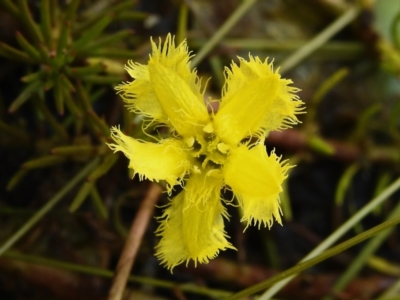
(167, 160)
(256, 178)
(166, 90)
(192, 227)
(176, 87)
(255, 100)
(139, 94)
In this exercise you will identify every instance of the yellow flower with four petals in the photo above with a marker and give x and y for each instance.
(206, 150)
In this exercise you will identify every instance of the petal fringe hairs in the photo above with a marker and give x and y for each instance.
(207, 151)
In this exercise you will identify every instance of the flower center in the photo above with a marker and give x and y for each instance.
(207, 149)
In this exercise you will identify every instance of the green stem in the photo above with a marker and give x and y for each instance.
(45, 22)
(344, 183)
(394, 31)
(347, 49)
(218, 70)
(11, 7)
(30, 24)
(100, 79)
(15, 133)
(329, 241)
(107, 40)
(313, 261)
(92, 33)
(42, 162)
(98, 203)
(92, 16)
(216, 294)
(14, 54)
(59, 130)
(222, 31)
(391, 293)
(65, 33)
(363, 256)
(131, 16)
(363, 122)
(70, 14)
(321, 92)
(182, 22)
(113, 53)
(48, 206)
(319, 40)
(15, 179)
(80, 150)
(24, 96)
(28, 48)
(87, 186)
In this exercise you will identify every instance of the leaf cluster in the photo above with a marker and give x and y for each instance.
(71, 53)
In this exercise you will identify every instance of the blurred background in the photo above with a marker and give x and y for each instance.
(67, 203)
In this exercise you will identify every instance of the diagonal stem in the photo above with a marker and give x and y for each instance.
(329, 241)
(222, 31)
(48, 206)
(319, 39)
(133, 242)
(313, 261)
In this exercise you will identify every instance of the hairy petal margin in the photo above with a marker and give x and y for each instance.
(167, 160)
(255, 100)
(256, 178)
(192, 227)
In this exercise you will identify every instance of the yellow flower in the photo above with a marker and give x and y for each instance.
(207, 151)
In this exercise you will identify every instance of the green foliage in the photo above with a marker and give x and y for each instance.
(71, 55)
(67, 50)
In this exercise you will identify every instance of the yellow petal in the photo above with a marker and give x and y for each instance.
(176, 87)
(139, 94)
(256, 178)
(255, 100)
(166, 90)
(192, 227)
(167, 160)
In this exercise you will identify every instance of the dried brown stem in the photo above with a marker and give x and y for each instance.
(133, 241)
(295, 140)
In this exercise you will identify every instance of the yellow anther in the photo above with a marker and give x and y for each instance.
(196, 170)
(214, 173)
(223, 148)
(189, 141)
(208, 128)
